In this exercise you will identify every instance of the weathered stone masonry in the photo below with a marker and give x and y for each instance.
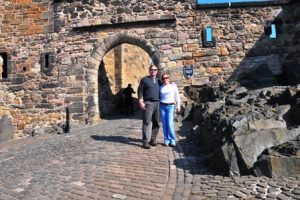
(76, 35)
(27, 95)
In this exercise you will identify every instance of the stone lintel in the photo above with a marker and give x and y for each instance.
(171, 21)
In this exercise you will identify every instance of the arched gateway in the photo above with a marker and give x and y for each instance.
(94, 62)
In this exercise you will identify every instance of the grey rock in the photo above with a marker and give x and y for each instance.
(6, 129)
(250, 146)
(281, 160)
(38, 131)
(266, 124)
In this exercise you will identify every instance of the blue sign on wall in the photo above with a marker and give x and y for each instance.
(273, 31)
(208, 34)
(237, 3)
(229, 1)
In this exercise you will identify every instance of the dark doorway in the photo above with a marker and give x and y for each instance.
(4, 67)
(120, 67)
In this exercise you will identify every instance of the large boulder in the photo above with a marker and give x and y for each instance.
(250, 146)
(281, 160)
(6, 129)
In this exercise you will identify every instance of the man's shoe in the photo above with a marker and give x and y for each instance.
(153, 143)
(146, 145)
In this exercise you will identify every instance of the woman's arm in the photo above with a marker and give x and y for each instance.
(177, 98)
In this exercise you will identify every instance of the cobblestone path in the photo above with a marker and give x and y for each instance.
(106, 161)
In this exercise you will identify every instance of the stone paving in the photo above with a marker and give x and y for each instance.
(106, 161)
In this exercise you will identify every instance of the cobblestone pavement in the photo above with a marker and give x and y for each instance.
(106, 161)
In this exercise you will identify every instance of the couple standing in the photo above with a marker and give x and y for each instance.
(156, 97)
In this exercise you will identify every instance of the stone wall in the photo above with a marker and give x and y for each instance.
(135, 65)
(83, 32)
(27, 96)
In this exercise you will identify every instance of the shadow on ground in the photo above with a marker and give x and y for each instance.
(119, 139)
(136, 115)
(193, 159)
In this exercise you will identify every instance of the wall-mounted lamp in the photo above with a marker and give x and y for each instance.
(208, 39)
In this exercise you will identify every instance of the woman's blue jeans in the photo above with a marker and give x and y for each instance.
(167, 119)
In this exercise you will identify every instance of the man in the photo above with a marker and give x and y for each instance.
(148, 95)
(128, 99)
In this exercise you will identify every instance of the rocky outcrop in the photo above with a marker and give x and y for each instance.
(239, 125)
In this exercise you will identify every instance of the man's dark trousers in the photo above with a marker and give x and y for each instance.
(151, 113)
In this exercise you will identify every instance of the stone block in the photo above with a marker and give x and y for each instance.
(188, 62)
(277, 166)
(73, 99)
(76, 104)
(76, 110)
(171, 64)
(48, 28)
(17, 80)
(6, 129)
(77, 90)
(15, 88)
(165, 47)
(192, 47)
(214, 70)
(182, 35)
(49, 85)
(224, 51)
(154, 17)
(200, 81)
(199, 53)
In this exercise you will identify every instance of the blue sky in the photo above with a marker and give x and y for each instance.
(226, 1)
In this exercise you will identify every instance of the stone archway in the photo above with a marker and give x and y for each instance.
(95, 60)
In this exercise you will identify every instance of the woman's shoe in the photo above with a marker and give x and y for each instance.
(172, 145)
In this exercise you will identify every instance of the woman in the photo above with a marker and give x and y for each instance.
(168, 96)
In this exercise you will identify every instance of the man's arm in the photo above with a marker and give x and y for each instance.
(141, 89)
(140, 95)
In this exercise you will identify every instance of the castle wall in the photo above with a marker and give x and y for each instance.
(76, 35)
(27, 96)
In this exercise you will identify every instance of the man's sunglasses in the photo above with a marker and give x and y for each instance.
(165, 78)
